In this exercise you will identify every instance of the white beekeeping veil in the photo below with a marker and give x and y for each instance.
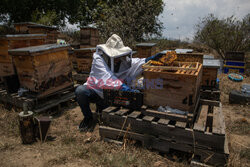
(116, 55)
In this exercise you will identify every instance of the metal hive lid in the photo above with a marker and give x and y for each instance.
(146, 44)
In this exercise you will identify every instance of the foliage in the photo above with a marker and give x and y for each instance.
(50, 18)
(131, 20)
(26, 10)
(164, 44)
(224, 35)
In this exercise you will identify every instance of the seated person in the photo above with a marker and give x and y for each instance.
(112, 67)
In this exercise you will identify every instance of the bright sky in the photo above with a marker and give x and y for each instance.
(180, 16)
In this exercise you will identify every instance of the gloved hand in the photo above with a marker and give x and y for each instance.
(155, 57)
(124, 87)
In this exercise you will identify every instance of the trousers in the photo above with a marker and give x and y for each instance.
(85, 96)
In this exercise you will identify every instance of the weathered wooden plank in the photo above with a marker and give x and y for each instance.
(218, 121)
(181, 124)
(122, 111)
(163, 121)
(164, 115)
(148, 118)
(134, 114)
(200, 124)
(148, 141)
(110, 109)
(210, 102)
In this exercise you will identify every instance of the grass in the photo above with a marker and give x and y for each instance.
(240, 126)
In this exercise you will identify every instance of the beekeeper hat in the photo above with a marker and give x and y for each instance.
(114, 47)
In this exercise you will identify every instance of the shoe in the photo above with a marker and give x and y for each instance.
(85, 124)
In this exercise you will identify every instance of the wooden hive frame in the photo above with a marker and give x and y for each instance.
(190, 57)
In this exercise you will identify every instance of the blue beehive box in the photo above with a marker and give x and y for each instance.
(229, 69)
(235, 63)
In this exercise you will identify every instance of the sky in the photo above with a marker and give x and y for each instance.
(179, 17)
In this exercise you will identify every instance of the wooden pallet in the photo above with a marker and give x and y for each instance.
(38, 105)
(205, 138)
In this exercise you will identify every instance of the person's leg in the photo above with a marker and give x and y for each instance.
(82, 96)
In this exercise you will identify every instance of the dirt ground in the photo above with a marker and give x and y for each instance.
(72, 148)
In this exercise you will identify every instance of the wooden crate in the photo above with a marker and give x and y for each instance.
(178, 89)
(89, 36)
(51, 32)
(12, 42)
(43, 69)
(145, 50)
(84, 57)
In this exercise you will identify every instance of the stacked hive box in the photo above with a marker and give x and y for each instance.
(51, 31)
(175, 87)
(145, 50)
(34, 28)
(89, 37)
(234, 62)
(12, 42)
(84, 57)
(43, 69)
(23, 27)
(210, 71)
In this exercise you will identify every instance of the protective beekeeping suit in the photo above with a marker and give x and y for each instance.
(112, 67)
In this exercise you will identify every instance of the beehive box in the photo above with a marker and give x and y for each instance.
(22, 27)
(235, 56)
(12, 42)
(177, 87)
(210, 71)
(43, 69)
(51, 31)
(89, 36)
(145, 50)
(84, 57)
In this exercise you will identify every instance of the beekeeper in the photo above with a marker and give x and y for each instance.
(112, 67)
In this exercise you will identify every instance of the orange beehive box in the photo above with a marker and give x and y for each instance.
(8, 42)
(43, 69)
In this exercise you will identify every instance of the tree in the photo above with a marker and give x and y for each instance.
(26, 10)
(224, 35)
(131, 20)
